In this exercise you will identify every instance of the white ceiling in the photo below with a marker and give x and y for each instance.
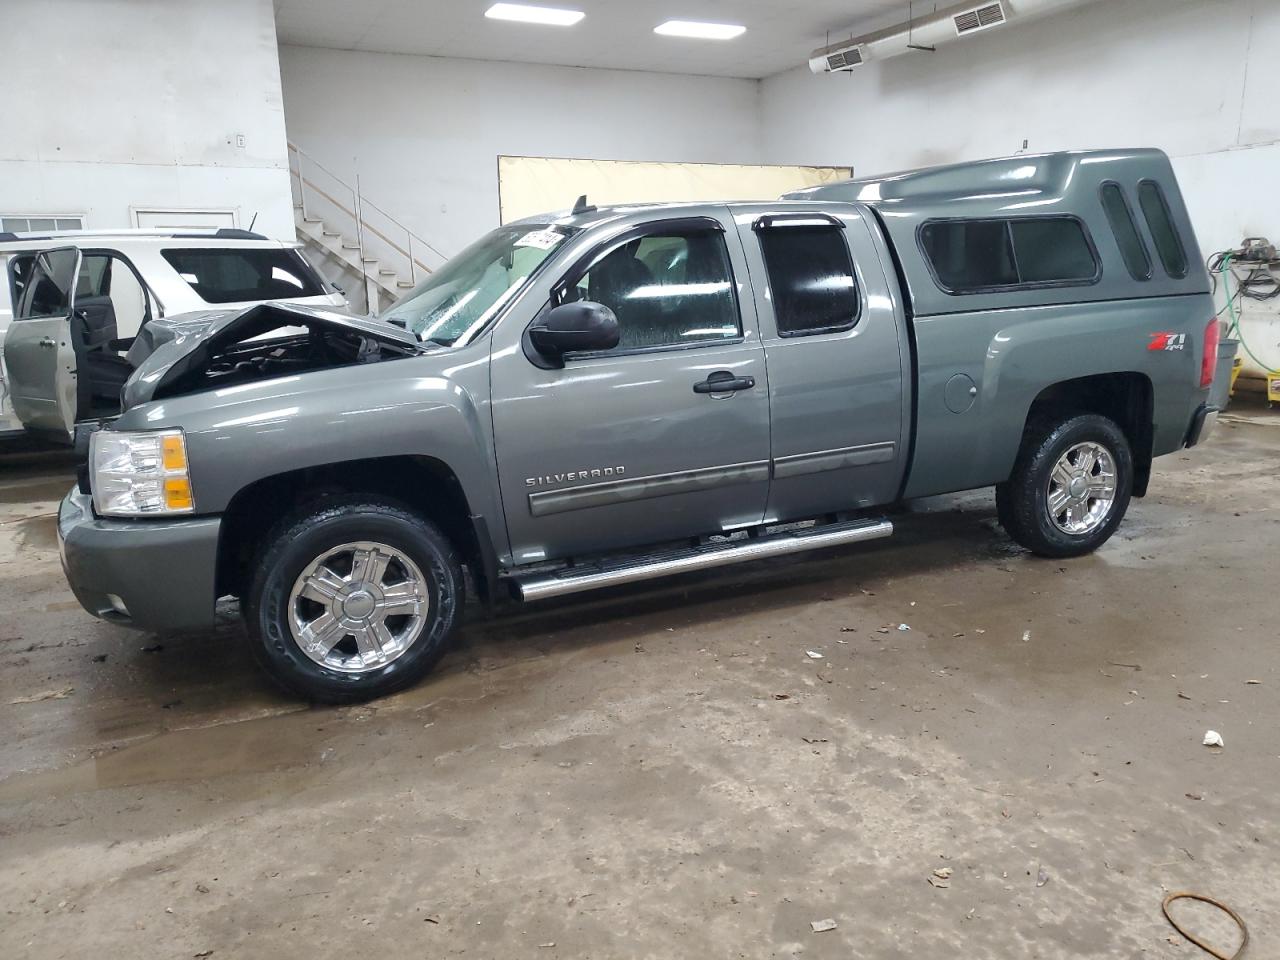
(615, 33)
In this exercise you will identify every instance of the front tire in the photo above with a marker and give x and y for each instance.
(352, 599)
(1070, 486)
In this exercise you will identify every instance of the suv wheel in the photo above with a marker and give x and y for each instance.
(353, 599)
(1070, 487)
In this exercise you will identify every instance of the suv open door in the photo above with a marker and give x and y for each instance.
(38, 349)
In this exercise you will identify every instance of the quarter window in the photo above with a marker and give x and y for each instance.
(810, 278)
(1155, 210)
(1132, 248)
(231, 274)
(666, 289)
(971, 256)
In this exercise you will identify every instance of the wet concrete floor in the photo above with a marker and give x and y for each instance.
(665, 772)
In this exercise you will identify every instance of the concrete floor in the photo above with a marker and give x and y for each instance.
(665, 773)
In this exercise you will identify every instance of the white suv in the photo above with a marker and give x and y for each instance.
(126, 279)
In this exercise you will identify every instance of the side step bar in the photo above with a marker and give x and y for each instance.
(541, 586)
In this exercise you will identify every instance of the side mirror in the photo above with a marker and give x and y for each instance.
(574, 327)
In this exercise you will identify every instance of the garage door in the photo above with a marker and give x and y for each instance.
(529, 185)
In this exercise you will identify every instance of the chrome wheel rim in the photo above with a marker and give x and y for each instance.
(358, 606)
(1082, 489)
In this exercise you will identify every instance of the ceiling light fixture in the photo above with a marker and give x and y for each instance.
(699, 30)
(524, 13)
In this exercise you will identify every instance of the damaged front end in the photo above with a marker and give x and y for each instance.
(206, 351)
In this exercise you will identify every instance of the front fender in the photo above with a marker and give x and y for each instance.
(433, 405)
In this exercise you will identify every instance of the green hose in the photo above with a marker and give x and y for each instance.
(1235, 321)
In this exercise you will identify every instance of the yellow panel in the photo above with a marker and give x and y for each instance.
(531, 185)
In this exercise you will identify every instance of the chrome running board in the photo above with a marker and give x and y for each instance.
(575, 579)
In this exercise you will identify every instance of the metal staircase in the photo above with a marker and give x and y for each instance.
(353, 239)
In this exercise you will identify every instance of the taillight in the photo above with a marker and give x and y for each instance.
(1209, 362)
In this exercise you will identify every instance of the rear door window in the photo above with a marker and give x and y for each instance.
(1155, 210)
(231, 275)
(811, 278)
(1132, 248)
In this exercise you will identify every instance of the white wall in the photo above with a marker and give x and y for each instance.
(1197, 78)
(425, 132)
(113, 103)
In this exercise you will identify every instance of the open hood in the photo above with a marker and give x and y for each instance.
(195, 351)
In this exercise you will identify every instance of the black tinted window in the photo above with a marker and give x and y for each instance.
(1051, 251)
(974, 255)
(228, 275)
(1132, 248)
(810, 278)
(1156, 212)
(970, 254)
(666, 289)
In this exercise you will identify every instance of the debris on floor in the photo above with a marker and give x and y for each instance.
(822, 926)
(1212, 738)
(941, 878)
(1042, 877)
(903, 627)
(46, 695)
(814, 655)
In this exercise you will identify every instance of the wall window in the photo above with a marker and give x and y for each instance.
(40, 224)
(666, 288)
(1156, 212)
(1132, 248)
(234, 274)
(971, 256)
(810, 278)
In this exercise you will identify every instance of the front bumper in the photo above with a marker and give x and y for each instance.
(148, 574)
(1202, 424)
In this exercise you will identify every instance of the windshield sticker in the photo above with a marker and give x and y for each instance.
(542, 239)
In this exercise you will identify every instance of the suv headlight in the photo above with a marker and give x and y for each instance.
(139, 474)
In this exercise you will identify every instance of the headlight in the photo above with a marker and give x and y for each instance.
(139, 474)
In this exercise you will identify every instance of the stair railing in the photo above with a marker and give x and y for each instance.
(317, 190)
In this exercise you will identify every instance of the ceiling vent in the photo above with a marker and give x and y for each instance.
(979, 18)
(838, 57)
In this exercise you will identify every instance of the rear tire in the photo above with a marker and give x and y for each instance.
(352, 599)
(1070, 486)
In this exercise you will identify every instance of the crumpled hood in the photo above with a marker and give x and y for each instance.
(168, 347)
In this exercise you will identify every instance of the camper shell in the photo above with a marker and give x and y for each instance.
(1074, 185)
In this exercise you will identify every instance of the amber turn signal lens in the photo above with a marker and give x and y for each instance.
(174, 452)
(177, 493)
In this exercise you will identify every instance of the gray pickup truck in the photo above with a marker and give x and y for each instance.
(598, 397)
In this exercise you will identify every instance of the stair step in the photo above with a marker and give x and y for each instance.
(387, 273)
(312, 220)
(404, 284)
(331, 233)
(351, 246)
(574, 579)
(369, 259)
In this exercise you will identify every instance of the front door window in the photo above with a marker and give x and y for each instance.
(667, 289)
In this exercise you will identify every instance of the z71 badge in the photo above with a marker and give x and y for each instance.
(1168, 341)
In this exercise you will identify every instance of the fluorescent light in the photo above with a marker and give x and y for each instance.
(523, 12)
(700, 30)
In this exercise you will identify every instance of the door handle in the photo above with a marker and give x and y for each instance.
(48, 343)
(723, 381)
